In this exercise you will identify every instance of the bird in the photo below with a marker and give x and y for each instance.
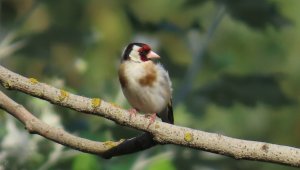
(146, 83)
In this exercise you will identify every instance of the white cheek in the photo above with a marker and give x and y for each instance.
(134, 56)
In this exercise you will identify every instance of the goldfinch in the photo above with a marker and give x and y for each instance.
(145, 83)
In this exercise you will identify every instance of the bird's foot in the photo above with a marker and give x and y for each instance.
(152, 118)
(132, 112)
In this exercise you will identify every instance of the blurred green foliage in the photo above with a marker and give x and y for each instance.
(245, 85)
(85, 161)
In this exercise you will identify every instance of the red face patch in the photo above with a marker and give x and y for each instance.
(143, 51)
(145, 47)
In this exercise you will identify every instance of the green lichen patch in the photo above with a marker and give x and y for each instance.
(115, 105)
(33, 81)
(188, 137)
(6, 84)
(63, 95)
(96, 102)
(110, 144)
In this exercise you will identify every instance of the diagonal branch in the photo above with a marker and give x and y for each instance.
(36, 126)
(162, 132)
(198, 52)
(105, 149)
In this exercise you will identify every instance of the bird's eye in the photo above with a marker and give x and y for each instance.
(143, 51)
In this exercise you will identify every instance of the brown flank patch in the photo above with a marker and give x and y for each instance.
(150, 76)
(122, 77)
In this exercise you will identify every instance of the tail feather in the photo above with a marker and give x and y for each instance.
(170, 113)
(167, 114)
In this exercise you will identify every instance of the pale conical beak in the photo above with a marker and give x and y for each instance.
(152, 55)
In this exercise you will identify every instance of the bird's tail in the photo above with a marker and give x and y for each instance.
(167, 114)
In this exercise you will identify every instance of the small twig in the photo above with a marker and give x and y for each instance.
(198, 52)
(7, 47)
(54, 157)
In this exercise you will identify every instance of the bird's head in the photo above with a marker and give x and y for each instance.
(138, 52)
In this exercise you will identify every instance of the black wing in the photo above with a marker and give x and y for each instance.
(167, 114)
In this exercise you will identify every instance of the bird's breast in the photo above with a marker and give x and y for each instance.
(146, 87)
(150, 75)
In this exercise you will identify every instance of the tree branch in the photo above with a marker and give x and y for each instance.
(36, 126)
(139, 143)
(162, 132)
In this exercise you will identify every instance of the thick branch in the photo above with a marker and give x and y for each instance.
(162, 132)
(34, 125)
(104, 149)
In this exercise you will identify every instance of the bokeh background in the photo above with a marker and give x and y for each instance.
(234, 64)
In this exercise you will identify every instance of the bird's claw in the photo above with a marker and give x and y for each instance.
(152, 118)
(131, 112)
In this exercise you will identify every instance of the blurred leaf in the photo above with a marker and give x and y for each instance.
(8, 12)
(193, 3)
(256, 13)
(162, 164)
(147, 26)
(86, 161)
(249, 90)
